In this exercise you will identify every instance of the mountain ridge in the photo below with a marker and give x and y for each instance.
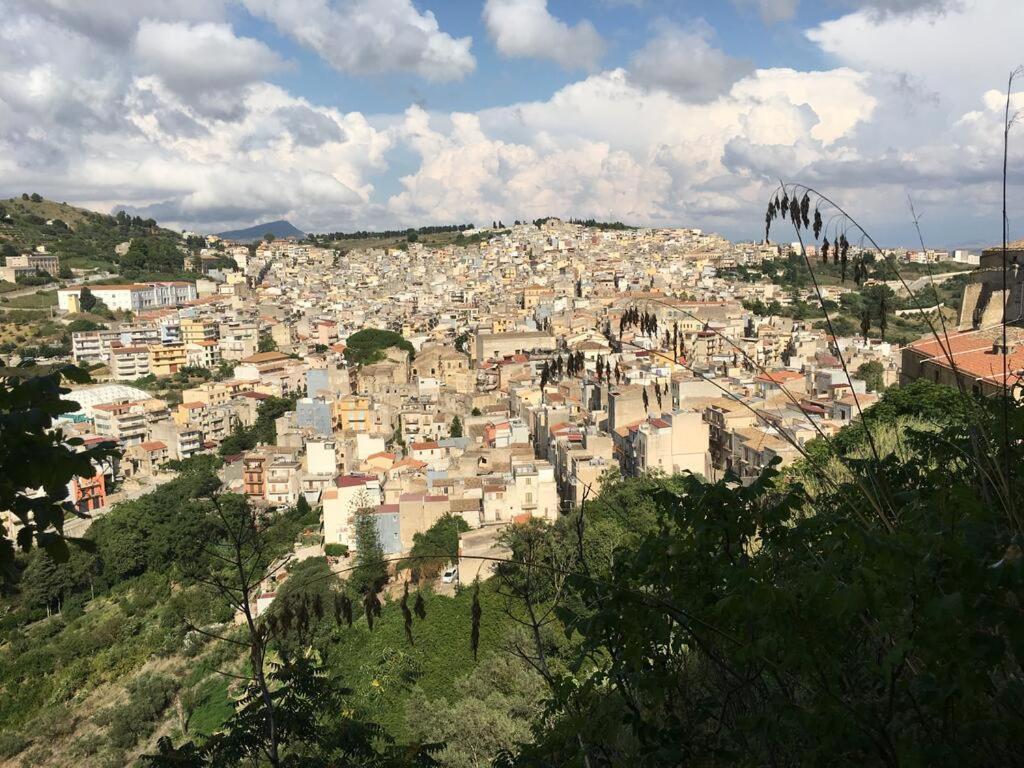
(279, 228)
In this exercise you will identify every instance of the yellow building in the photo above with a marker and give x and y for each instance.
(351, 413)
(165, 360)
(196, 330)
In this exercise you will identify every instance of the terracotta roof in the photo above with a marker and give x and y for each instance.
(153, 445)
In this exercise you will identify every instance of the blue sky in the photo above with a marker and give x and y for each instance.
(351, 114)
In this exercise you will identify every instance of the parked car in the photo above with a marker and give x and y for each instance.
(452, 574)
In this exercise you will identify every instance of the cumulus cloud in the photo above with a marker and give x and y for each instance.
(526, 29)
(924, 49)
(371, 36)
(116, 23)
(682, 60)
(773, 11)
(205, 64)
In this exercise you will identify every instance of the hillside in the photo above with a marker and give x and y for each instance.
(279, 229)
(86, 239)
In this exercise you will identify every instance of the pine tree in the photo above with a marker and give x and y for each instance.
(371, 570)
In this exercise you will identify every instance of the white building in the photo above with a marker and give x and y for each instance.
(131, 297)
(340, 504)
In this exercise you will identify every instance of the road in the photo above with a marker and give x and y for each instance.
(132, 489)
(29, 290)
(920, 282)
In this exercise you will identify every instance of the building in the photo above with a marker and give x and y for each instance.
(128, 363)
(203, 354)
(350, 494)
(167, 359)
(132, 297)
(972, 360)
(95, 346)
(27, 264)
(499, 345)
(315, 414)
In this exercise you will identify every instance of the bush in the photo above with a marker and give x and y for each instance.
(11, 744)
(336, 550)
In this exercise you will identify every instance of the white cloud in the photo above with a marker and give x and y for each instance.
(956, 55)
(683, 61)
(609, 148)
(205, 64)
(371, 36)
(526, 29)
(116, 23)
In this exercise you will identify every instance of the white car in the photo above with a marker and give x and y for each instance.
(452, 574)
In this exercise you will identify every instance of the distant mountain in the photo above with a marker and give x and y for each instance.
(280, 229)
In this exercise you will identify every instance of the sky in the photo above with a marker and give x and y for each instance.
(383, 114)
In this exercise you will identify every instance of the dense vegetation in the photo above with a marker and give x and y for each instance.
(85, 239)
(122, 604)
(391, 233)
(368, 345)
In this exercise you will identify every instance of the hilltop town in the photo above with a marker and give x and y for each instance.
(501, 376)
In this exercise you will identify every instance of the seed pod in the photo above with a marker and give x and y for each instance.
(817, 223)
(785, 202)
(420, 607)
(407, 615)
(371, 606)
(474, 636)
(824, 250)
(805, 207)
(794, 212)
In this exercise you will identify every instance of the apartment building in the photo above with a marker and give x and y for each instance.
(130, 422)
(94, 346)
(128, 363)
(167, 359)
(197, 330)
(131, 297)
(203, 354)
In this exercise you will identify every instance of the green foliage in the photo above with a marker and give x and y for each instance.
(34, 456)
(872, 374)
(433, 549)
(266, 344)
(86, 299)
(148, 696)
(82, 324)
(263, 430)
(873, 623)
(455, 430)
(370, 572)
(152, 254)
(368, 345)
(335, 550)
(486, 713)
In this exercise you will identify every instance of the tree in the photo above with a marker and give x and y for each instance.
(872, 374)
(86, 300)
(455, 430)
(266, 344)
(37, 462)
(36, 197)
(65, 273)
(371, 570)
(435, 548)
(368, 345)
(865, 324)
(269, 237)
(475, 412)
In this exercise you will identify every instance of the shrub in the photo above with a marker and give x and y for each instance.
(336, 550)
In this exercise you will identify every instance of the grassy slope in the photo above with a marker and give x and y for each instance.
(441, 655)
